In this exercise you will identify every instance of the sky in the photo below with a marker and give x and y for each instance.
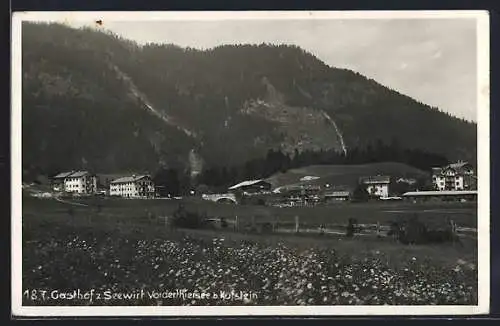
(433, 60)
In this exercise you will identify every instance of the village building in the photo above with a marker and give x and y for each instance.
(377, 186)
(79, 182)
(455, 176)
(299, 195)
(135, 186)
(337, 196)
(252, 187)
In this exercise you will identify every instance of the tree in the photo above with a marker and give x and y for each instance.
(360, 193)
(398, 188)
(167, 182)
(351, 227)
(295, 162)
(425, 185)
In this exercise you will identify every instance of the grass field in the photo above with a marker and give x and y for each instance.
(119, 250)
(344, 175)
(437, 213)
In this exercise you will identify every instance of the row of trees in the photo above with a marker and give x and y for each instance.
(276, 161)
(172, 181)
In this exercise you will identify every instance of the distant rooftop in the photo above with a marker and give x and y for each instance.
(72, 174)
(78, 174)
(62, 175)
(458, 165)
(455, 166)
(246, 183)
(128, 179)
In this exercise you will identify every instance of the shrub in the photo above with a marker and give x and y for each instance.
(360, 194)
(267, 227)
(414, 231)
(190, 220)
(351, 227)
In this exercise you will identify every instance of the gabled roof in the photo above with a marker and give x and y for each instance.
(62, 175)
(78, 174)
(458, 166)
(128, 179)
(72, 174)
(376, 179)
(247, 183)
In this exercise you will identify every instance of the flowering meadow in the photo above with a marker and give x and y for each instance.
(62, 263)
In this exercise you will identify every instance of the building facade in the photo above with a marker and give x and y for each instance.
(455, 176)
(377, 186)
(79, 182)
(135, 186)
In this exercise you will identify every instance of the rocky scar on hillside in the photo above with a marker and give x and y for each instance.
(92, 100)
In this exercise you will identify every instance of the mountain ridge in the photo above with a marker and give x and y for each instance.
(292, 100)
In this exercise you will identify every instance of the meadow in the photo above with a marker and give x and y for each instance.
(114, 246)
(117, 209)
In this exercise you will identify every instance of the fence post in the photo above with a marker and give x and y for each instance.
(236, 224)
(296, 224)
(378, 228)
(453, 231)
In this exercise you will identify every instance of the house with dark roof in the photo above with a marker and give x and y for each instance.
(80, 182)
(134, 186)
(377, 186)
(455, 176)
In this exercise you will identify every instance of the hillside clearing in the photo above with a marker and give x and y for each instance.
(343, 175)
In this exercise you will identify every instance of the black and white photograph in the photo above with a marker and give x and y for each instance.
(250, 163)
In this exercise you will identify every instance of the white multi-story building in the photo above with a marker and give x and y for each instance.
(455, 176)
(377, 185)
(80, 182)
(135, 186)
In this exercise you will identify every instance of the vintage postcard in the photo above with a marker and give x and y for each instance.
(250, 163)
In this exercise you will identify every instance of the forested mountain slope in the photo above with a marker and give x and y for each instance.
(93, 100)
